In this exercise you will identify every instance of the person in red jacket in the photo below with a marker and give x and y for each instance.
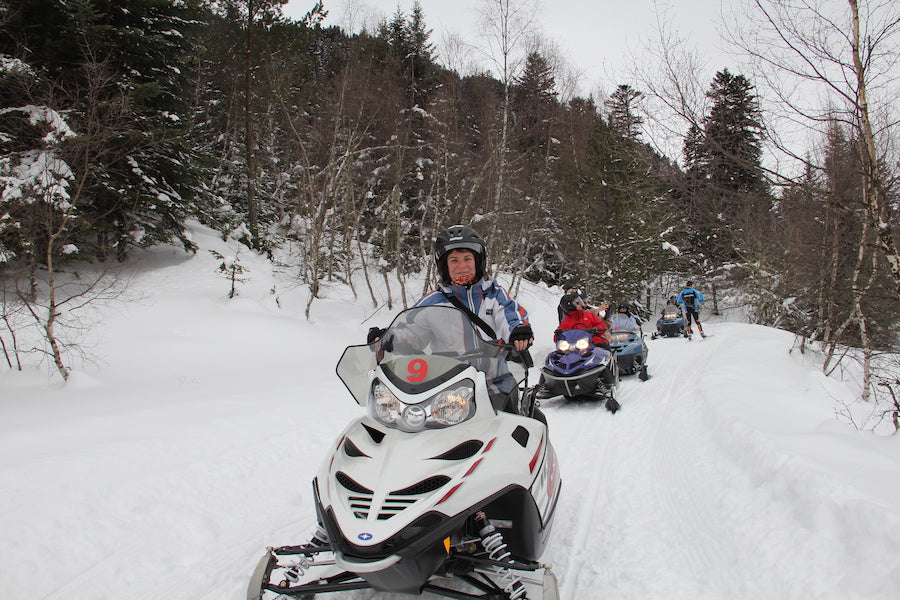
(577, 316)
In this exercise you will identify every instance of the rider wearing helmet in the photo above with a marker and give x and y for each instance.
(572, 288)
(577, 316)
(624, 320)
(461, 258)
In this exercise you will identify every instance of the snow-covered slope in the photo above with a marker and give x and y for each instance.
(164, 468)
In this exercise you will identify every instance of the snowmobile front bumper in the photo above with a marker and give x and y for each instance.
(582, 383)
(671, 329)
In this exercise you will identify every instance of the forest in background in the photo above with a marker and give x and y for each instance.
(331, 151)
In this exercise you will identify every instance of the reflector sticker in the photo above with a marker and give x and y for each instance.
(537, 455)
(450, 493)
(472, 469)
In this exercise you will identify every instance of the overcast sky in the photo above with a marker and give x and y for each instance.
(599, 37)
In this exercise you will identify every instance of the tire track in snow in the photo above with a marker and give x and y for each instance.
(685, 500)
(569, 588)
(624, 538)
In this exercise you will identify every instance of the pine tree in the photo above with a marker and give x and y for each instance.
(732, 136)
(534, 104)
(119, 73)
(622, 107)
(730, 198)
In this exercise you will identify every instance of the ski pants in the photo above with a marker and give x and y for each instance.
(691, 312)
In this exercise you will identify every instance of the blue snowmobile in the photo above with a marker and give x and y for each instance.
(671, 323)
(579, 369)
(628, 345)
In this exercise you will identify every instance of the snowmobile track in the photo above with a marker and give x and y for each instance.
(569, 588)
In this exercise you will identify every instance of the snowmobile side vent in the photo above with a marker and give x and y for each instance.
(376, 435)
(425, 486)
(350, 449)
(463, 451)
(521, 435)
(351, 485)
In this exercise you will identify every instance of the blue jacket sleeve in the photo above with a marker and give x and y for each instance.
(510, 313)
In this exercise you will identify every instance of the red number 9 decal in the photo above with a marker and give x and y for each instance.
(418, 370)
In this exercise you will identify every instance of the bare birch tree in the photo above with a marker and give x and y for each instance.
(506, 26)
(823, 63)
(819, 63)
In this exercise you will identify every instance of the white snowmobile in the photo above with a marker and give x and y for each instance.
(436, 489)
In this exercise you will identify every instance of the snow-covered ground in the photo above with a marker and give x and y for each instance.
(162, 469)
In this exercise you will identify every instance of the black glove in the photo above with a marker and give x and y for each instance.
(521, 332)
(374, 334)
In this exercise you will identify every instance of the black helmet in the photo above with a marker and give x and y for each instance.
(567, 302)
(459, 237)
(623, 307)
(689, 283)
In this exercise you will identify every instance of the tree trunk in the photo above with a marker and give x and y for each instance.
(876, 203)
(252, 209)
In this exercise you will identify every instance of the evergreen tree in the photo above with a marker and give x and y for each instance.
(623, 216)
(119, 73)
(730, 198)
(412, 53)
(732, 137)
(622, 112)
(534, 105)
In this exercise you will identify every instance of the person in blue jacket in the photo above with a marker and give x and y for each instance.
(460, 256)
(690, 300)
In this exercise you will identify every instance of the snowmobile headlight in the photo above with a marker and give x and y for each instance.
(447, 407)
(454, 405)
(414, 417)
(385, 406)
(563, 345)
(583, 344)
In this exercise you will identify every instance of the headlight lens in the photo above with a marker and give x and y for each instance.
(583, 344)
(453, 406)
(385, 405)
(444, 409)
(563, 345)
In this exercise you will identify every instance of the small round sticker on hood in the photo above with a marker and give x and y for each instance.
(365, 536)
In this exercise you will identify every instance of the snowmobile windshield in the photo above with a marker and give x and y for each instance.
(423, 348)
(622, 322)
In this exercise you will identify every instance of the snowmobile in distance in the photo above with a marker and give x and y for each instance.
(579, 369)
(671, 323)
(629, 347)
(434, 489)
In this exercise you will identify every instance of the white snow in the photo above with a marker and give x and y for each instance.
(163, 468)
